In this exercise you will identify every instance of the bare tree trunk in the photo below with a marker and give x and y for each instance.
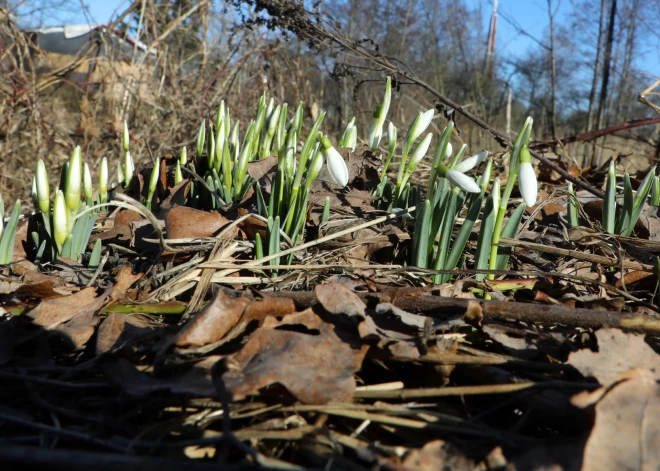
(553, 71)
(609, 41)
(623, 100)
(594, 81)
(509, 99)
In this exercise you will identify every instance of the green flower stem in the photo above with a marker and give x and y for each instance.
(499, 221)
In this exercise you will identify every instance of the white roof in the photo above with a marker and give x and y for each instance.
(74, 31)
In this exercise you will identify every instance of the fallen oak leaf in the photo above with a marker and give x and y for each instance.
(226, 317)
(120, 331)
(624, 435)
(183, 222)
(316, 369)
(124, 279)
(618, 351)
(73, 316)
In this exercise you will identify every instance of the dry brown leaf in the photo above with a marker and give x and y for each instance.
(121, 228)
(316, 369)
(437, 455)
(54, 312)
(638, 279)
(625, 433)
(42, 290)
(252, 225)
(183, 222)
(121, 330)
(259, 168)
(338, 299)
(213, 322)
(177, 197)
(618, 351)
(194, 382)
(123, 280)
(74, 317)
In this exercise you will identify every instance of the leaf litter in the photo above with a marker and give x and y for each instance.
(347, 360)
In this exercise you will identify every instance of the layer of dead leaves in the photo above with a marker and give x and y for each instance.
(358, 373)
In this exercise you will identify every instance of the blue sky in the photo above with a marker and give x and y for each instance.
(530, 14)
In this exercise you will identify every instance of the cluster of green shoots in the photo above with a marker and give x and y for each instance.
(271, 133)
(451, 192)
(67, 214)
(66, 226)
(620, 217)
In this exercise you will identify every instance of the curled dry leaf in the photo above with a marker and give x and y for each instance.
(124, 279)
(121, 331)
(195, 382)
(625, 433)
(183, 222)
(316, 369)
(618, 351)
(338, 299)
(226, 317)
(74, 317)
(260, 168)
(436, 455)
(252, 225)
(213, 322)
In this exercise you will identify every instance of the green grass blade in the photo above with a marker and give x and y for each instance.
(624, 221)
(509, 231)
(572, 209)
(482, 255)
(445, 234)
(420, 247)
(464, 232)
(95, 257)
(609, 204)
(9, 235)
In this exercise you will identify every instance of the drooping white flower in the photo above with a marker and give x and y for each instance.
(449, 150)
(471, 162)
(420, 152)
(336, 165)
(527, 178)
(464, 182)
(527, 183)
(419, 125)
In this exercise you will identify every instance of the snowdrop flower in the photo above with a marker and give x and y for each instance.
(74, 181)
(464, 182)
(125, 137)
(43, 189)
(129, 168)
(103, 181)
(419, 125)
(60, 216)
(471, 162)
(348, 138)
(419, 153)
(449, 150)
(376, 129)
(336, 165)
(527, 178)
(391, 138)
(351, 139)
(87, 183)
(315, 168)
